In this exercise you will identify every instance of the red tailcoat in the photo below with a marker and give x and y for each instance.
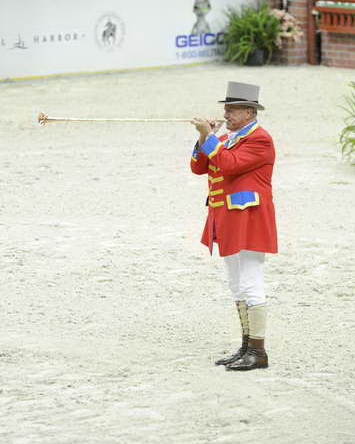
(245, 166)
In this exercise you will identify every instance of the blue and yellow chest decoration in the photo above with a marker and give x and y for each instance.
(240, 134)
(212, 145)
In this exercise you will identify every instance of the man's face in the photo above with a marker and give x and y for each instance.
(237, 116)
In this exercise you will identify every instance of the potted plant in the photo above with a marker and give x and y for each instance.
(251, 35)
(289, 26)
(347, 135)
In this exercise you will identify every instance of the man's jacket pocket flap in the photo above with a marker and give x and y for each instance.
(242, 199)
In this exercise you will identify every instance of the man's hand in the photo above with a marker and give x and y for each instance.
(202, 125)
(205, 127)
(215, 125)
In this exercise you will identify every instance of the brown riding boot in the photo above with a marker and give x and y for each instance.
(255, 357)
(239, 354)
(243, 317)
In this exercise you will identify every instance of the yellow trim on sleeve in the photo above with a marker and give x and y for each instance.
(215, 151)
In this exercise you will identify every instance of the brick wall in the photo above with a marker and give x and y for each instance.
(293, 53)
(296, 52)
(338, 49)
(275, 4)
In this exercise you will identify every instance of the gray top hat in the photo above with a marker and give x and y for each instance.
(243, 94)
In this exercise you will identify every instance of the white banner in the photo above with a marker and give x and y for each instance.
(42, 37)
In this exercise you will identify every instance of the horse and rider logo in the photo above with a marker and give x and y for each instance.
(110, 31)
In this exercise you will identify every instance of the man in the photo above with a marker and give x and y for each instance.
(241, 215)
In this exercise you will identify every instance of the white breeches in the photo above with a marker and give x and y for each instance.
(246, 276)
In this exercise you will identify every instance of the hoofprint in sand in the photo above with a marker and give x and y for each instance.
(112, 313)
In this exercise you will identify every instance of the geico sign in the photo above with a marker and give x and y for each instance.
(208, 39)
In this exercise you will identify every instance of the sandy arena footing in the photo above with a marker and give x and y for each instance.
(112, 312)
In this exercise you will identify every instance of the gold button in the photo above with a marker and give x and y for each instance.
(212, 199)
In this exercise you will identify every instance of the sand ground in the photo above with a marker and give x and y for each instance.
(112, 312)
